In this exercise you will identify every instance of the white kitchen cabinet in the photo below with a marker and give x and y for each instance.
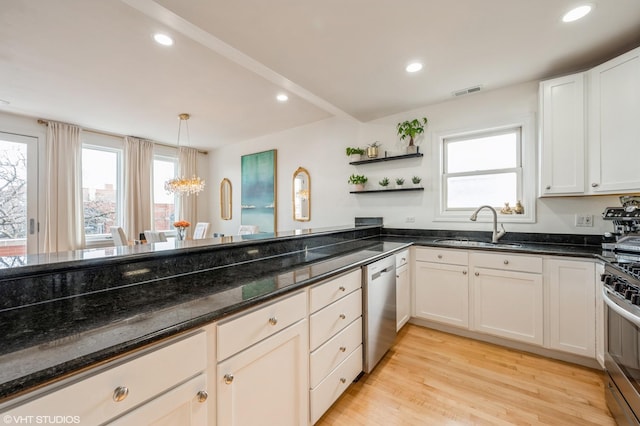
(403, 289)
(507, 295)
(562, 135)
(133, 386)
(266, 381)
(441, 288)
(614, 108)
(599, 270)
(570, 296)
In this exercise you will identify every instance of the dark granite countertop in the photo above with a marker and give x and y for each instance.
(147, 294)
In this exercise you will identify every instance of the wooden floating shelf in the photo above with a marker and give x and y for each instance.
(379, 159)
(369, 191)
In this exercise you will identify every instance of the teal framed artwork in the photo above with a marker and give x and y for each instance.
(258, 190)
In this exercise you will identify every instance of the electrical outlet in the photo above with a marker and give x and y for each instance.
(584, 220)
(410, 219)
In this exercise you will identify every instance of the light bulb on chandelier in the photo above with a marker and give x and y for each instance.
(181, 185)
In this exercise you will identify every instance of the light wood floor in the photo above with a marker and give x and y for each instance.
(435, 378)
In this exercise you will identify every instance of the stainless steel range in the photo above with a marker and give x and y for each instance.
(621, 294)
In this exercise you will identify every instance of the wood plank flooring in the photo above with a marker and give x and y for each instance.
(435, 378)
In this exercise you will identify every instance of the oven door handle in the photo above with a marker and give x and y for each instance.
(619, 310)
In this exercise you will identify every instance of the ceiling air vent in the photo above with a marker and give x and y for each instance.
(467, 91)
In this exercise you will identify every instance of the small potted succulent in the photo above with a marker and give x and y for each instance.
(358, 181)
(399, 182)
(372, 150)
(411, 129)
(355, 153)
(416, 180)
(384, 182)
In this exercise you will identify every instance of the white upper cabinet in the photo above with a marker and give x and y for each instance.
(562, 135)
(589, 130)
(614, 127)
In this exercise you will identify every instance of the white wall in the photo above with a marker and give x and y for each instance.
(320, 147)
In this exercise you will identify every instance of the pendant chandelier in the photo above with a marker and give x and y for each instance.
(181, 185)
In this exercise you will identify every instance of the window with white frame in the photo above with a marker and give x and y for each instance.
(101, 190)
(490, 166)
(164, 205)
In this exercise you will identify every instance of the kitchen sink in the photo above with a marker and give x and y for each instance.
(474, 243)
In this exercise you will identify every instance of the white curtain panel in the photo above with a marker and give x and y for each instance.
(187, 167)
(64, 213)
(138, 186)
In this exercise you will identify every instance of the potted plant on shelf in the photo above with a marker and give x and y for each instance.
(372, 149)
(399, 182)
(358, 181)
(384, 182)
(416, 180)
(355, 153)
(411, 129)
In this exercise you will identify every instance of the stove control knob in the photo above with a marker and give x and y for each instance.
(629, 292)
(606, 278)
(635, 299)
(618, 286)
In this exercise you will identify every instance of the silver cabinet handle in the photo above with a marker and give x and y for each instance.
(341, 288)
(120, 393)
(439, 256)
(548, 187)
(397, 276)
(342, 316)
(343, 349)
(477, 274)
(202, 396)
(464, 272)
(404, 259)
(506, 262)
(273, 320)
(343, 380)
(594, 185)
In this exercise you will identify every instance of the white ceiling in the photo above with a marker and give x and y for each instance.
(94, 63)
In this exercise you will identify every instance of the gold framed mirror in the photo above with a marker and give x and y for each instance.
(301, 195)
(225, 199)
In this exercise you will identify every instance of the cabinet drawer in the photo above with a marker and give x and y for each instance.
(452, 257)
(92, 398)
(402, 258)
(328, 292)
(335, 384)
(246, 329)
(330, 320)
(507, 262)
(328, 356)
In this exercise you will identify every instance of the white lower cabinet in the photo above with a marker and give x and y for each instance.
(507, 295)
(140, 387)
(441, 288)
(599, 269)
(571, 317)
(266, 380)
(403, 289)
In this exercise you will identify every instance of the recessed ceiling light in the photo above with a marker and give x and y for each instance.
(414, 67)
(282, 97)
(163, 39)
(576, 13)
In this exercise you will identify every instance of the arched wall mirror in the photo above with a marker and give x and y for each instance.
(301, 195)
(225, 199)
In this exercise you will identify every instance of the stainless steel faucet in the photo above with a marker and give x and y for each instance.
(496, 235)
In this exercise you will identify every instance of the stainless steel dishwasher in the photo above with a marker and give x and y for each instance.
(379, 304)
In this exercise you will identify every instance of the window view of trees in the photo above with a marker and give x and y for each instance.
(13, 199)
(100, 195)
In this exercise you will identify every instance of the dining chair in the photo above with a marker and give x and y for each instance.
(248, 229)
(119, 236)
(155, 236)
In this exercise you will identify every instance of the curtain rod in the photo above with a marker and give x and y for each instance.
(100, 132)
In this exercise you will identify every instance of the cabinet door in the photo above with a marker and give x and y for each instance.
(571, 300)
(508, 304)
(183, 405)
(442, 293)
(267, 384)
(599, 267)
(562, 136)
(613, 124)
(403, 296)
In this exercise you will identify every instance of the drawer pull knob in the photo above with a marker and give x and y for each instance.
(228, 379)
(404, 259)
(477, 274)
(439, 256)
(273, 320)
(202, 396)
(120, 393)
(464, 272)
(548, 187)
(594, 185)
(506, 262)
(342, 316)
(342, 288)
(343, 349)
(343, 380)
